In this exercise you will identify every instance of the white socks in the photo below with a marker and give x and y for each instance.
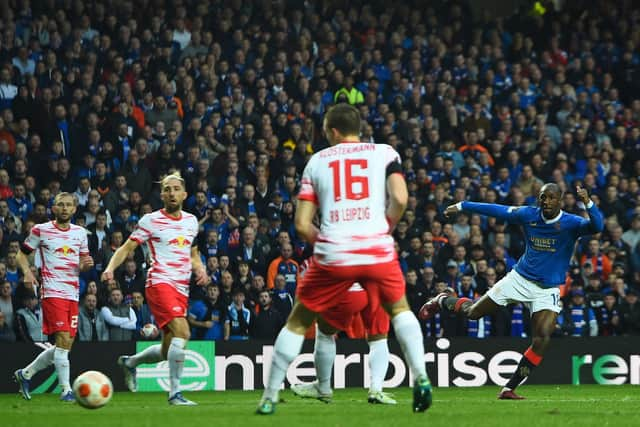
(287, 347)
(151, 354)
(175, 356)
(61, 361)
(410, 338)
(378, 363)
(43, 360)
(324, 353)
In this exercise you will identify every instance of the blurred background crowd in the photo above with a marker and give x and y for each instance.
(103, 98)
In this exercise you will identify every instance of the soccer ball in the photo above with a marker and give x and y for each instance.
(149, 331)
(92, 389)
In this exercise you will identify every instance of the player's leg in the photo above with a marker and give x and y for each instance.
(151, 354)
(324, 354)
(287, 346)
(387, 283)
(376, 322)
(64, 341)
(378, 365)
(162, 312)
(464, 306)
(51, 312)
(177, 338)
(23, 376)
(409, 335)
(543, 324)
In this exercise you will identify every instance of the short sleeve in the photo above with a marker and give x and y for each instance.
(142, 233)
(84, 244)
(391, 156)
(307, 191)
(196, 228)
(32, 242)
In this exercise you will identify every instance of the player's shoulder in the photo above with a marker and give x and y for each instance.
(384, 147)
(571, 218)
(188, 216)
(151, 215)
(527, 212)
(38, 227)
(77, 229)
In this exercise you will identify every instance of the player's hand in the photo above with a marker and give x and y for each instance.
(107, 276)
(208, 324)
(201, 276)
(86, 263)
(451, 210)
(583, 195)
(30, 280)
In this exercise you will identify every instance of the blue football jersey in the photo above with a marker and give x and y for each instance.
(549, 242)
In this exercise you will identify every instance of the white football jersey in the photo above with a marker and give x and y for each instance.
(348, 183)
(59, 252)
(169, 241)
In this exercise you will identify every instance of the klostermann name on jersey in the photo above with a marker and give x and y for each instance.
(348, 183)
(59, 251)
(169, 241)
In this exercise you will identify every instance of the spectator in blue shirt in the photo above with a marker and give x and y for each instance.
(207, 317)
(19, 204)
(577, 319)
(239, 319)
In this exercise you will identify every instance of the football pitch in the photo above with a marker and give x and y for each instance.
(545, 406)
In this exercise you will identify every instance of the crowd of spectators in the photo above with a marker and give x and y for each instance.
(102, 98)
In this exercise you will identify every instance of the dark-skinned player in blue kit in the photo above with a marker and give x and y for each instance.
(551, 235)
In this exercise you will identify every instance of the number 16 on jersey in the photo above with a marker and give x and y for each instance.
(356, 186)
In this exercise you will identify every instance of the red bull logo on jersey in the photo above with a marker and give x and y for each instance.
(180, 241)
(65, 251)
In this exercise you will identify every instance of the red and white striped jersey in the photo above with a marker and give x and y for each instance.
(59, 252)
(169, 241)
(348, 183)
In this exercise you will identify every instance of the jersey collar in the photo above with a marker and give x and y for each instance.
(163, 212)
(552, 220)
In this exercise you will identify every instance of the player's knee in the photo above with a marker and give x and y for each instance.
(393, 309)
(63, 341)
(376, 337)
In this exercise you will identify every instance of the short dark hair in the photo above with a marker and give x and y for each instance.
(344, 118)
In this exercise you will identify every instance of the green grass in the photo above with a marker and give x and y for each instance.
(545, 406)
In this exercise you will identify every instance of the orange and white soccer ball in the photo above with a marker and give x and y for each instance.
(92, 389)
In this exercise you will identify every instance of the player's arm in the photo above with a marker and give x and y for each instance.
(31, 243)
(23, 264)
(305, 212)
(506, 213)
(398, 194)
(595, 223)
(198, 268)
(118, 258)
(86, 261)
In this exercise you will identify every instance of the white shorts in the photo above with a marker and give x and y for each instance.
(515, 288)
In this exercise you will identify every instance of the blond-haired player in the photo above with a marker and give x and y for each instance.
(170, 233)
(63, 251)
